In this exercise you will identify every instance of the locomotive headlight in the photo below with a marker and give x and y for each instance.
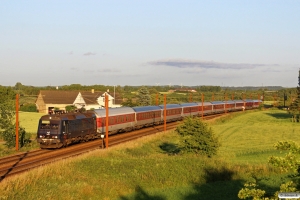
(41, 136)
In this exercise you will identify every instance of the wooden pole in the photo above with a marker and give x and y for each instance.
(244, 101)
(202, 104)
(106, 121)
(225, 97)
(165, 112)
(17, 122)
(191, 97)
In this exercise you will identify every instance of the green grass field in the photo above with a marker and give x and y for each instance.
(250, 138)
(30, 120)
(141, 169)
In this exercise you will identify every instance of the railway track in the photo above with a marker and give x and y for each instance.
(18, 163)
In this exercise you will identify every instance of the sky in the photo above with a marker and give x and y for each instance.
(170, 42)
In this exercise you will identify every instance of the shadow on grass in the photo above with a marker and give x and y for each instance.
(169, 148)
(280, 115)
(141, 194)
(221, 184)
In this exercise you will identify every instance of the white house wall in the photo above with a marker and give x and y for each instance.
(79, 101)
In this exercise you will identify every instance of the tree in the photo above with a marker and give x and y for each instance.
(144, 98)
(294, 108)
(7, 118)
(7, 110)
(197, 137)
(129, 103)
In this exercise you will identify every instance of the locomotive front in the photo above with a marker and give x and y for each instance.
(49, 133)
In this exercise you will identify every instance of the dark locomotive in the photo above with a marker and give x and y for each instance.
(56, 131)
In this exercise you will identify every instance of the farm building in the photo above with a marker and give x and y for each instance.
(50, 100)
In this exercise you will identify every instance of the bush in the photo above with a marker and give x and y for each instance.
(9, 136)
(28, 108)
(70, 108)
(197, 137)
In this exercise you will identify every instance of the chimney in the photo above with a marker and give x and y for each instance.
(92, 91)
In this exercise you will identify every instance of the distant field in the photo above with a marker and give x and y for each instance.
(141, 169)
(249, 138)
(30, 120)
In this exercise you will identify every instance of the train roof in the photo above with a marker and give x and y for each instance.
(114, 111)
(68, 116)
(146, 108)
(171, 106)
(188, 104)
(257, 100)
(230, 101)
(249, 100)
(238, 101)
(217, 102)
(204, 103)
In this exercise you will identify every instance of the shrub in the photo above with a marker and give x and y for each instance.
(197, 137)
(9, 136)
(31, 107)
(70, 108)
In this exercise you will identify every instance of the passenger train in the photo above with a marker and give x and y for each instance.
(56, 131)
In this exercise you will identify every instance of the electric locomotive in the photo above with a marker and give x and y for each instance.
(55, 131)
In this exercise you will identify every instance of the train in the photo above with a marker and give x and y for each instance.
(61, 130)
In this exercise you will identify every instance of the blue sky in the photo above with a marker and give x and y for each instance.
(226, 43)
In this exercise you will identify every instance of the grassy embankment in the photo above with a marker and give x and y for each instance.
(143, 170)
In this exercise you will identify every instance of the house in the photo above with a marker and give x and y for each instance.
(87, 100)
(113, 102)
(49, 99)
(185, 90)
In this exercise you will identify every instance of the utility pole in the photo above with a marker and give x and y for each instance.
(106, 121)
(165, 112)
(17, 122)
(202, 104)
